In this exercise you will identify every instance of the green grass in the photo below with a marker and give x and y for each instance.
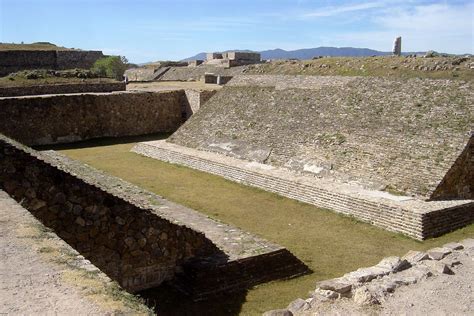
(330, 244)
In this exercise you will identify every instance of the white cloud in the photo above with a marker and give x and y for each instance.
(441, 27)
(336, 10)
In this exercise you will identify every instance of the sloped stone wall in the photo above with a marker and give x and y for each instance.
(396, 135)
(459, 181)
(128, 242)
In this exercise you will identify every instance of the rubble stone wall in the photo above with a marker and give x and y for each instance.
(129, 243)
(54, 119)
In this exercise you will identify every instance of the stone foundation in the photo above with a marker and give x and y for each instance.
(406, 215)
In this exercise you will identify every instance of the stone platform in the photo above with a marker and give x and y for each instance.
(407, 215)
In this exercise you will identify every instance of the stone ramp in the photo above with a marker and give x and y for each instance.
(416, 218)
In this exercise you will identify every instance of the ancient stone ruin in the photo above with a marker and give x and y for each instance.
(397, 46)
(340, 143)
(232, 59)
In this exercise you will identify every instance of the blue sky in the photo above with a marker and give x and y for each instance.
(146, 30)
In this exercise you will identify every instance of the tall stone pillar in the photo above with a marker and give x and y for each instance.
(397, 46)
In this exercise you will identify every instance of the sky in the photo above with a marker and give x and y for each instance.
(151, 30)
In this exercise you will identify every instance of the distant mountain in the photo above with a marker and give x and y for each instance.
(308, 53)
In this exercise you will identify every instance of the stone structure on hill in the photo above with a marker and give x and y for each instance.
(397, 46)
(232, 59)
(17, 60)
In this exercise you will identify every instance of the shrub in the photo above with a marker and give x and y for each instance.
(110, 67)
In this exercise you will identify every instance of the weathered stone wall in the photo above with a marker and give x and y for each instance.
(62, 88)
(125, 240)
(459, 180)
(53, 119)
(67, 59)
(196, 73)
(398, 135)
(17, 60)
(195, 99)
(417, 219)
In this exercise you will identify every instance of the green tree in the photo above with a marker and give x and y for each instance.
(110, 67)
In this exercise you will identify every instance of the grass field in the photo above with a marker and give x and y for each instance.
(330, 244)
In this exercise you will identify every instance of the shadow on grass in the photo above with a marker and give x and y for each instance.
(104, 141)
(167, 301)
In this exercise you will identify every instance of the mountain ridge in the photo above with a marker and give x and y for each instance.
(308, 53)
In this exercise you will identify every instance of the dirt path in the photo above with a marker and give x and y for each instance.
(32, 279)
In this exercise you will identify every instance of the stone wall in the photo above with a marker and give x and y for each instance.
(195, 99)
(196, 73)
(459, 180)
(414, 218)
(125, 240)
(17, 60)
(54, 119)
(67, 59)
(401, 136)
(62, 88)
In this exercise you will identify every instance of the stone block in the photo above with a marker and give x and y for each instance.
(394, 264)
(366, 274)
(298, 305)
(438, 267)
(340, 286)
(415, 256)
(438, 253)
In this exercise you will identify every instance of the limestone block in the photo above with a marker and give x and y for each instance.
(340, 286)
(363, 296)
(415, 256)
(438, 253)
(438, 267)
(366, 274)
(394, 264)
(298, 305)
